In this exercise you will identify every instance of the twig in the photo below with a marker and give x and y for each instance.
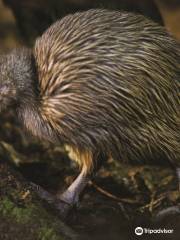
(110, 195)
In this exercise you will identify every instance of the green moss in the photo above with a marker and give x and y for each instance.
(30, 215)
(46, 233)
(21, 215)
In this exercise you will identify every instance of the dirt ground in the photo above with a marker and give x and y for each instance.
(119, 198)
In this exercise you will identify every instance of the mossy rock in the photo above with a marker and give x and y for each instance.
(23, 215)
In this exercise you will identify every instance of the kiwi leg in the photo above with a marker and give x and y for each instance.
(66, 201)
(71, 195)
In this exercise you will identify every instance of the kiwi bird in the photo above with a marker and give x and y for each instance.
(99, 82)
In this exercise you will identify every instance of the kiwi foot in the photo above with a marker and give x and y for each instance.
(66, 201)
(63, 208)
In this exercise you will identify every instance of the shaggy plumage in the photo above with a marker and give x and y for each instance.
(101, 82)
